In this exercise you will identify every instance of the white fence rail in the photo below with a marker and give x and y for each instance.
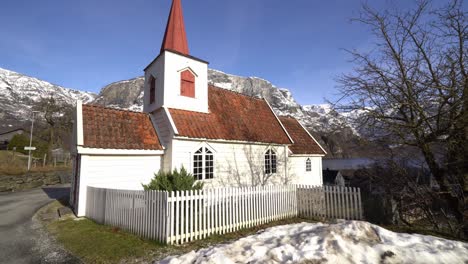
(182, 216)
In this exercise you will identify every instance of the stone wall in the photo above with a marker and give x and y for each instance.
(11, 183)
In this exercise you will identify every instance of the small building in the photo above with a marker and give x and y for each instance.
(222, 138)
(333, 178)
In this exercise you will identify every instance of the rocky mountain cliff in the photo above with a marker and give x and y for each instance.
(333, 129)
(19, 92)
(128, 94)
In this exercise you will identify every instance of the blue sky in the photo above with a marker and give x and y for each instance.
(87, 44)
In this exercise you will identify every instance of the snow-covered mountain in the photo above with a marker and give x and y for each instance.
(128, 94)
(19, 92)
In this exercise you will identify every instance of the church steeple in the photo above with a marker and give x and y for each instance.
(175, 38)
(175, 79)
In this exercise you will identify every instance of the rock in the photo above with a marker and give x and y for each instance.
(64, 211)
(33, 184)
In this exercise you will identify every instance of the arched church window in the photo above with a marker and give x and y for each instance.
(308, 164)
(270, 162)
(187, 84)
(203, 164)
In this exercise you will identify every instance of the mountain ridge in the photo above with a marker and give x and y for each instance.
(15, 103)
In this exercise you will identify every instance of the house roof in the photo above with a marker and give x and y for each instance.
(304, 143)
(232, 116)
(329, 176)
(175, 37)
(109, 128)
(10, 130)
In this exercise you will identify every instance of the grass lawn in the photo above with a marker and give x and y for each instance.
(15, 163)
(95, 243)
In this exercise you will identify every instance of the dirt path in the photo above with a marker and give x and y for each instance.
(22, 239)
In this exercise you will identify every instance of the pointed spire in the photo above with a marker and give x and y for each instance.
(175, 37)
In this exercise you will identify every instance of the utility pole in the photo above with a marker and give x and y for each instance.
(30, 141)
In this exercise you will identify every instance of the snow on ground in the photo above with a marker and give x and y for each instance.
(344, 242)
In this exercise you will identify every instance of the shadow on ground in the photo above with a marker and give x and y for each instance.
(60, 194)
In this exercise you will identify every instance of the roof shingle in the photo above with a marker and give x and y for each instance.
(232, 116)
(109, 128)
(303, 142)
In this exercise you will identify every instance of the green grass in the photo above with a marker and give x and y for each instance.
(94, 243)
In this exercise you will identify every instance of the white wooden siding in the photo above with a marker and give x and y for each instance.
(166, 69)
(297, 170)
(235, 164)
(115, 172)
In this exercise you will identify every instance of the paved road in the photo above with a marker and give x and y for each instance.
(21, 241)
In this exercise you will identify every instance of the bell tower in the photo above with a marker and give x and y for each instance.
(175, 79)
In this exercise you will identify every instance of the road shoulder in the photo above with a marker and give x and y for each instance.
(45, 243)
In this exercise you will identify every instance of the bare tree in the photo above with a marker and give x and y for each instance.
(412, 88)
(58, 115)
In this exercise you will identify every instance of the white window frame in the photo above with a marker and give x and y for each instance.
(268, 167)
(202, 171)
(308, 165)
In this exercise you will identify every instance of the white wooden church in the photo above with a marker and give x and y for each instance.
(223, 138)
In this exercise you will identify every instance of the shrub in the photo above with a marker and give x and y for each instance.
(22, 140)
(173, 181)
(19, 141)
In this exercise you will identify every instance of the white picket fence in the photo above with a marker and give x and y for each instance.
(182, 216)
(329, 202)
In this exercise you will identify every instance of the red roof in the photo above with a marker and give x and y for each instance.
(175, 38)
(303, 141)
(232, 116)
(109, 128)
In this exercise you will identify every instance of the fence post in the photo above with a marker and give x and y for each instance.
(165, 217)
(346, 204)
(360, 204)
(104, 202)
(356, 206)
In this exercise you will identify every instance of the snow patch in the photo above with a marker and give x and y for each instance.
(344, 242)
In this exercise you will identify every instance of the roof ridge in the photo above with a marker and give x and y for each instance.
(115, 109)
(235, 92)
(289, 117)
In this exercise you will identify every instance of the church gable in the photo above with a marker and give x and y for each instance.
(304, 143)
(232, 116)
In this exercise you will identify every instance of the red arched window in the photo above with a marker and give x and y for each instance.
(187, 84)
(152, 89)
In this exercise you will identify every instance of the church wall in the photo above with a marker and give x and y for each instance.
(115, 172)
(237, 164)
(174, 65)
(156, 69)
(167, 71)
(297, 170)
